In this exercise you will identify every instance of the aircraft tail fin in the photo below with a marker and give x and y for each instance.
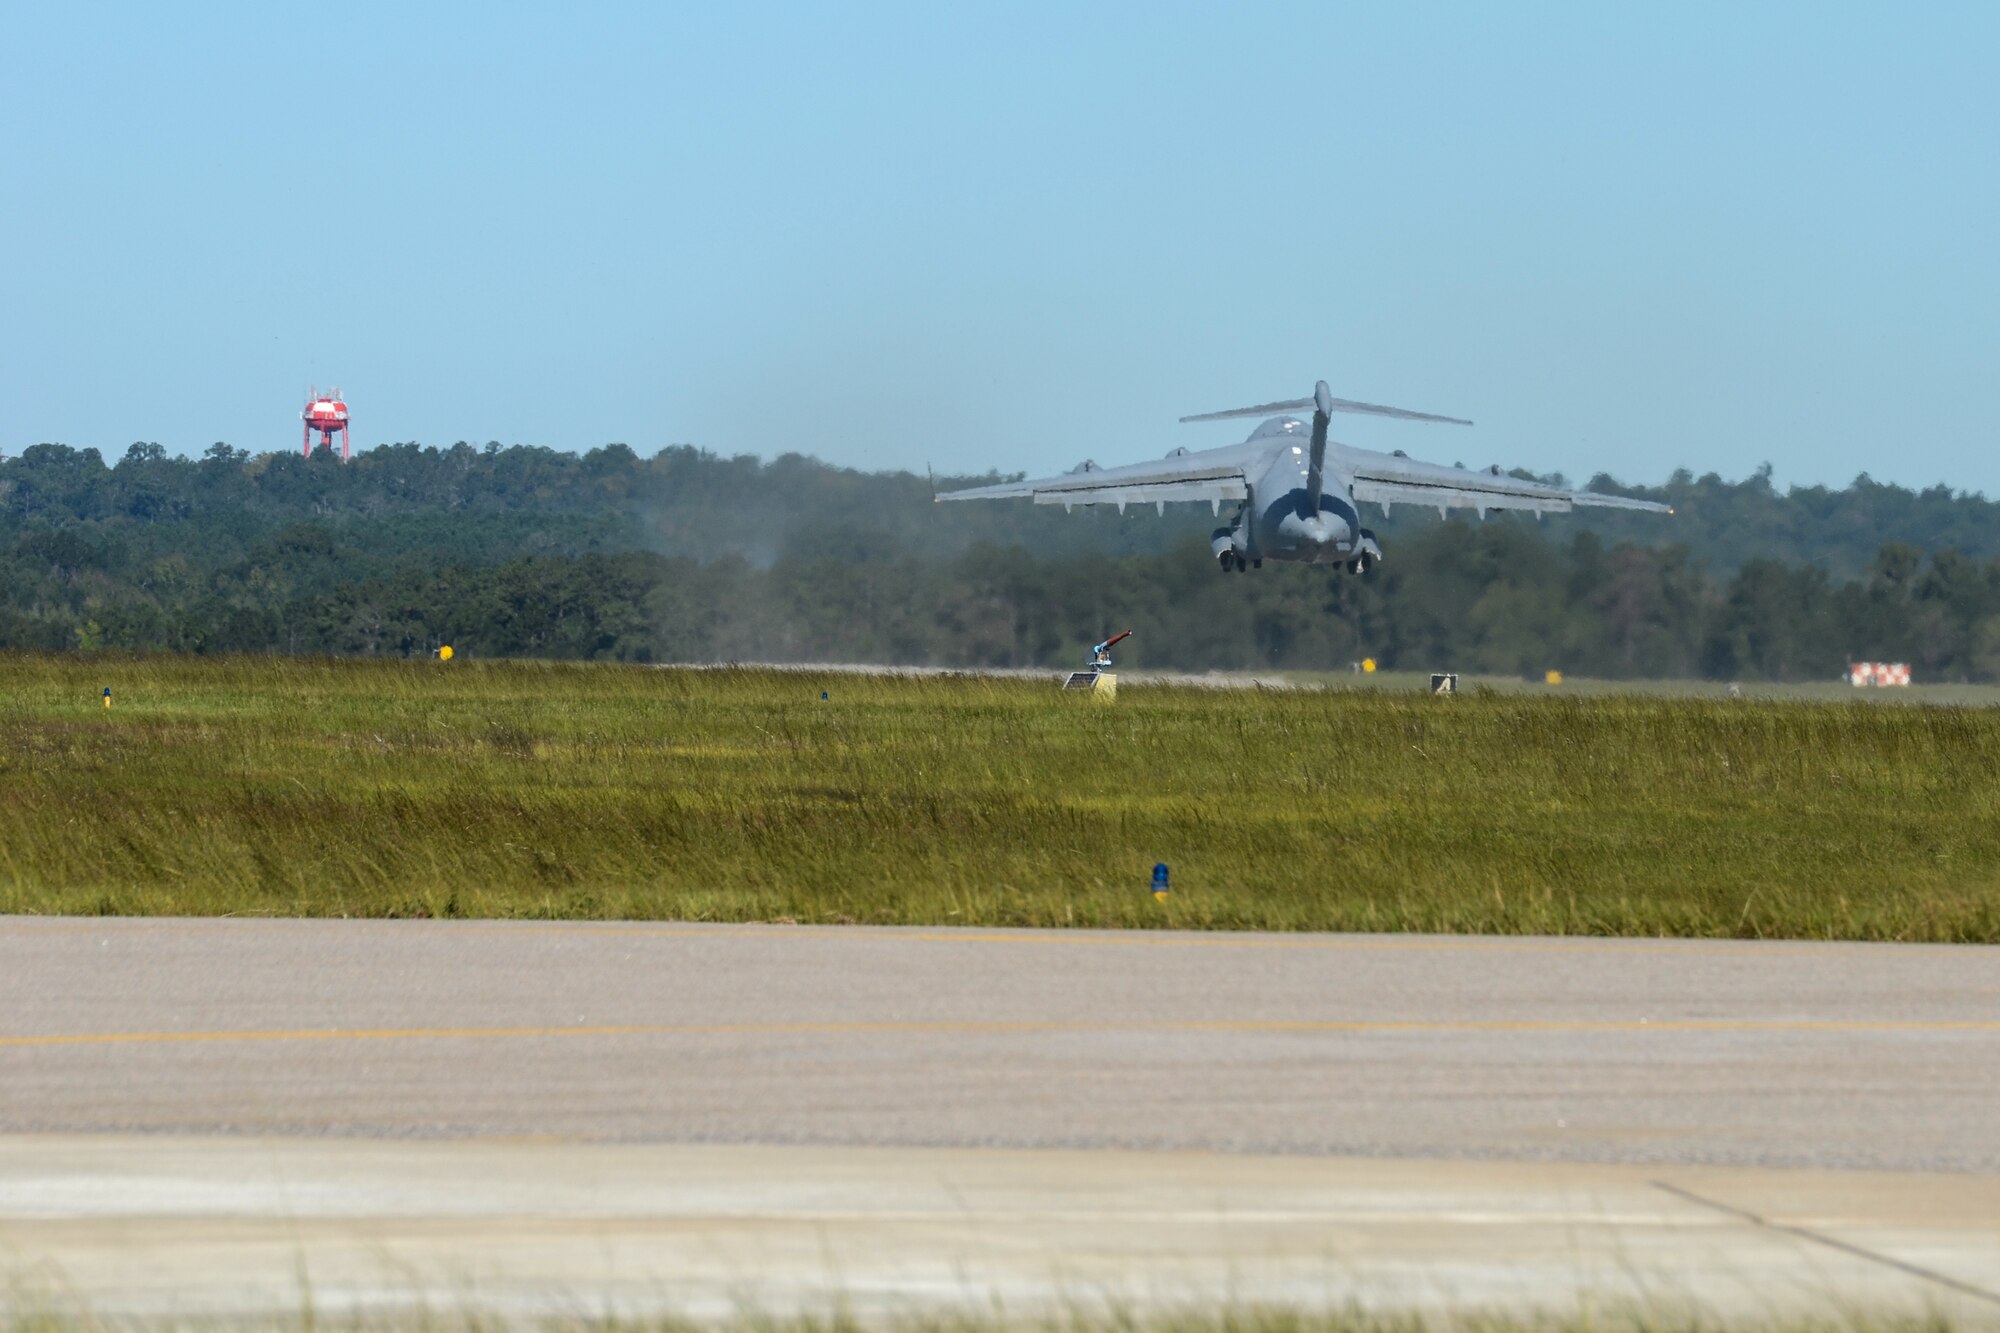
(1322, 401)
(1323, 405)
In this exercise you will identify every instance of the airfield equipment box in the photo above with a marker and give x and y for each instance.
(1444, 682)
(1100, 684)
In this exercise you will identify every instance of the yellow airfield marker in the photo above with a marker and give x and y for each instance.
(1368, 666)
(444, 653)
(1552, 678)
(107, 698)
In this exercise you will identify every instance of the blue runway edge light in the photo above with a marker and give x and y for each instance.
(1160, 879)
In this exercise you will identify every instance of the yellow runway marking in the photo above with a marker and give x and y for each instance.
(1273, 1026)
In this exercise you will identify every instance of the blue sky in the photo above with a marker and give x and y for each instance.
(1620, 238)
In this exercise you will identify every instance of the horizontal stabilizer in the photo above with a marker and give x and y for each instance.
(1332, 404)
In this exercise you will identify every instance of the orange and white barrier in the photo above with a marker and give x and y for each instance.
(1878, 673)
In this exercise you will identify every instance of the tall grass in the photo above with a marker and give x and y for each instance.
(312, 787)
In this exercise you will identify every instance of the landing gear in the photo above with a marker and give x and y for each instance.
(1365, 558)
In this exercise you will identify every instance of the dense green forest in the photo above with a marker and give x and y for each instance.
(685, 556)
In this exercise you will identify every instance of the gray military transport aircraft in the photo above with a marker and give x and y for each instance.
(1296, 495)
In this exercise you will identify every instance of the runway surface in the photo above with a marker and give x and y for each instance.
(1268, 1094)
(1587, 1050)
(167, 1227)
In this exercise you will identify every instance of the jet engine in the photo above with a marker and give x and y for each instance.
(1227, 545)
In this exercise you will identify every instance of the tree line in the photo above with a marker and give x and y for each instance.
(685, 556)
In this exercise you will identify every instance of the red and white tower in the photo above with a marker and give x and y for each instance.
(326, 414)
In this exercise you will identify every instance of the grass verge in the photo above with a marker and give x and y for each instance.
(314, 787)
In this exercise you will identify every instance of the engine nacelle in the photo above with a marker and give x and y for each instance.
(1222, 543)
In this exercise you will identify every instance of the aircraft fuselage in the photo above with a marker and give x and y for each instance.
(1278, 522)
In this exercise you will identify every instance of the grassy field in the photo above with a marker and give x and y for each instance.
(305, 787)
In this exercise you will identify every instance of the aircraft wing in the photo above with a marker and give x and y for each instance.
(1391, 479)
(1213, 475)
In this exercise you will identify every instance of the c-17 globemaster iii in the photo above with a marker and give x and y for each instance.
(1297, 491)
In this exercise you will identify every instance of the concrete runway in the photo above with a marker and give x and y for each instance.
(209, 1226)
(583, 1062)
